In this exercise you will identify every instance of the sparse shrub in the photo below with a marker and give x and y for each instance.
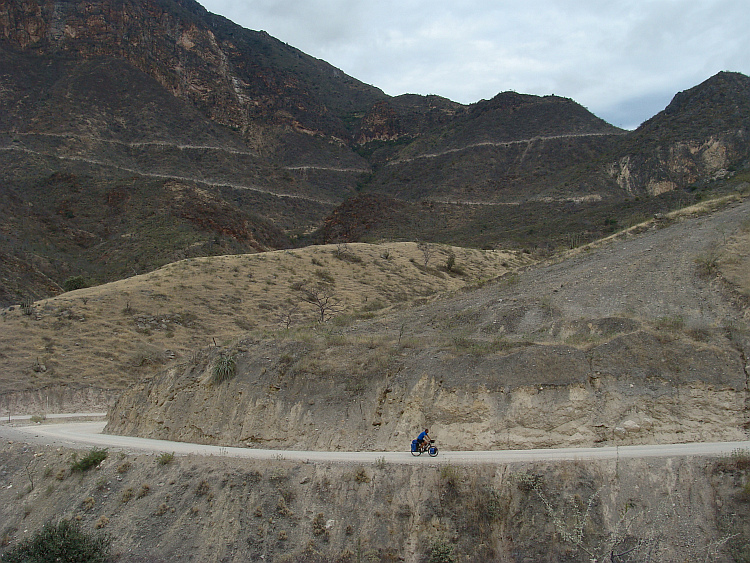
(319, 524)
(451, 267)
(281, 507)
(361, 476)
(575, 240)
(144, 491)
(63, 542)
(123, 468)
(741, 458)
(163, 509)
(88, 503)
(27, 306)
(450, 262)
(225, 368)
(451, 478)
(528, 481)
(101, 523)
(165, 458)
(287, 493)
(202, 488)
(441, 552)
(38, 418)
(380, 463)
(708, 263)
(127, 495)
(92, 459)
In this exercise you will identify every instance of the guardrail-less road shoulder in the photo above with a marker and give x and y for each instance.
(89, 434)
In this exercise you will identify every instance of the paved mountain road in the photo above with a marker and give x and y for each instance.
(88, 434)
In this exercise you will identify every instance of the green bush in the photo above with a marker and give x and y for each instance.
(442, 552)
(64, 542)
(165, 458)
(73, 283)
(91, 459)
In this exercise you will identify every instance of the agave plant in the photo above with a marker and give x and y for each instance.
(224, 369)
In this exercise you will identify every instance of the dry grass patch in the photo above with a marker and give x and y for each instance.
(112, 335)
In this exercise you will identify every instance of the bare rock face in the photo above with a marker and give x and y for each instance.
(56, 399)
(379, 124)
(540, 396)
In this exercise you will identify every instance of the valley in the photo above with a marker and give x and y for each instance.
(270, 275)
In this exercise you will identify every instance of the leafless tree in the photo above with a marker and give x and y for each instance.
(287, 316)
(323, 298)
(341, 249)
(427, 251)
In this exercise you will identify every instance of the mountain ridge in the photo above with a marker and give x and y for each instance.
(152, 92)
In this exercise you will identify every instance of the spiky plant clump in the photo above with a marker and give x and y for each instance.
(27, 306)
(225, 367)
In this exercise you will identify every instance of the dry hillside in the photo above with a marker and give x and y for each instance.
(641, 338)
(74, 350)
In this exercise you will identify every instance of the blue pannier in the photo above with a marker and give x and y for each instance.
(414, 445)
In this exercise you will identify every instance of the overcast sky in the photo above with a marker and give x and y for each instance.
(623, 60)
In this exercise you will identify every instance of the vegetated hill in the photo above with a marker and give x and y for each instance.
(132, 96)
(569, 177)
(642, 338)
(78, 350)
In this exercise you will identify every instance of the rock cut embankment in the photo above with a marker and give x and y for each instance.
(628, 342)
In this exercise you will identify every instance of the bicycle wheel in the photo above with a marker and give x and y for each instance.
(433, 451)
(416, 452)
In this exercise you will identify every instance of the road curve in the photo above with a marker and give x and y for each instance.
(89, 434)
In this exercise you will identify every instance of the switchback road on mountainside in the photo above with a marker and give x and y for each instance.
(88, 434)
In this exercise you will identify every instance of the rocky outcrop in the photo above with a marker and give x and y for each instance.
(676, 166)
(236, 77)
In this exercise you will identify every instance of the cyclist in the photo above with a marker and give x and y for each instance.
(423, 439)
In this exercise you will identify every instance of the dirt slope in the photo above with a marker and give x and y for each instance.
(107, 337)
(638, 339)
(212, 509)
